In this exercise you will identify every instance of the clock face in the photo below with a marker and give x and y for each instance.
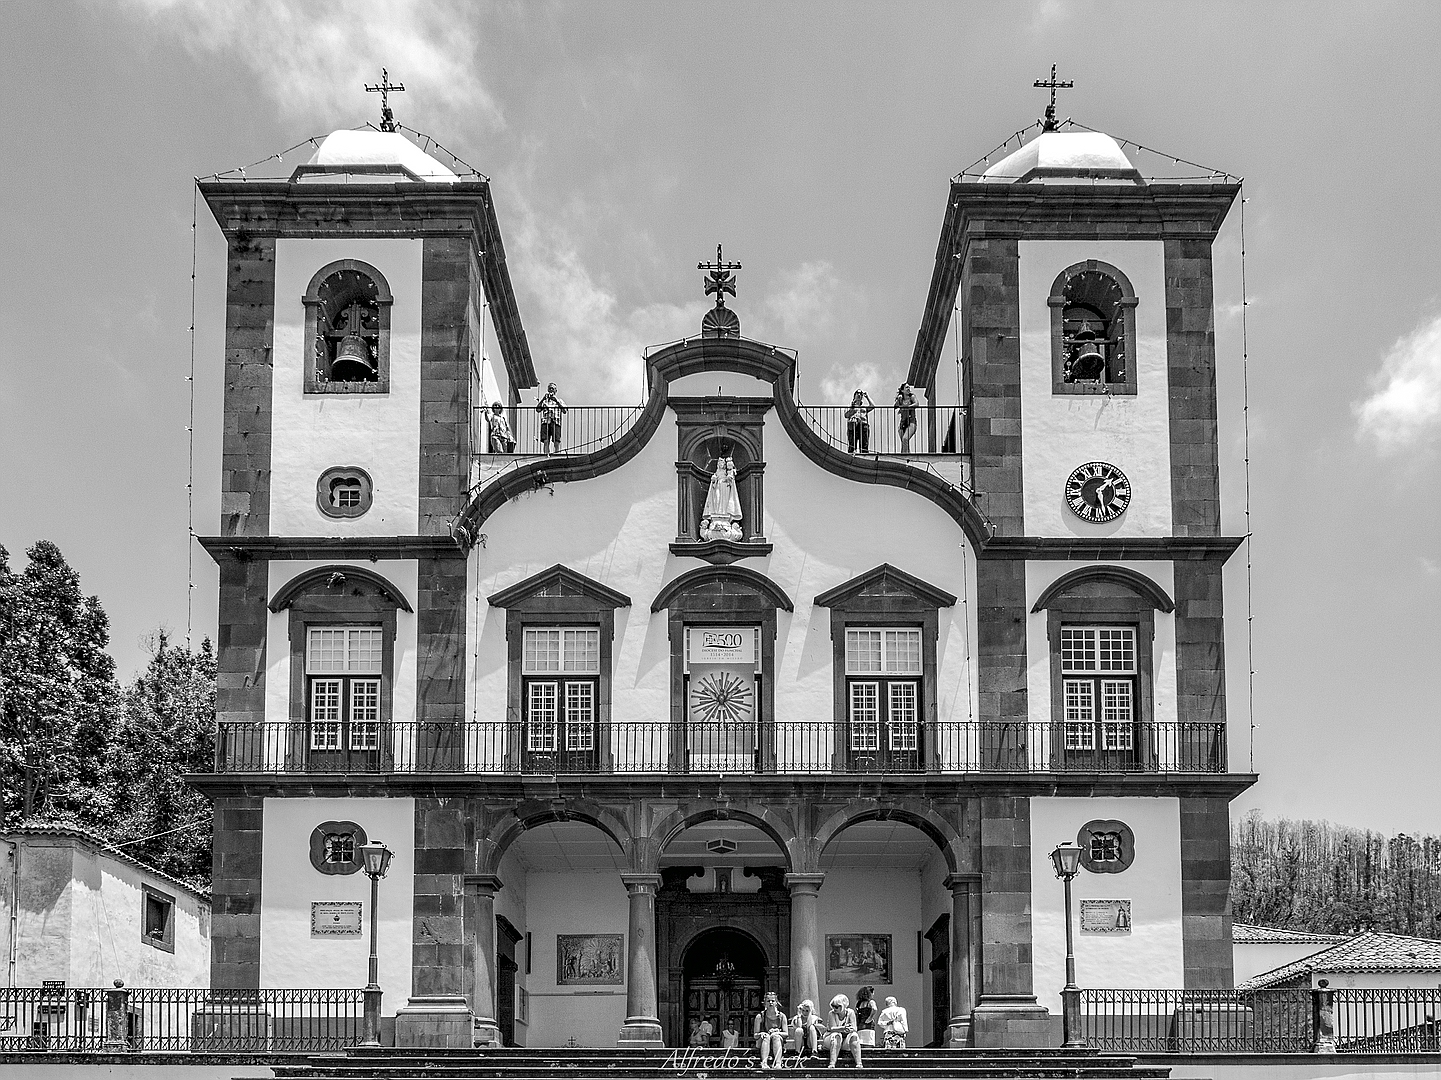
(1098, 491)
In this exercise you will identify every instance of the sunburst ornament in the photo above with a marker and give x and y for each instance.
(721, 698)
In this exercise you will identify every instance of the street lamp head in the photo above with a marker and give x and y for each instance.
(376, 857)
(1066, 859)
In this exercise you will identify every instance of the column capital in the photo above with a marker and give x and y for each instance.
(961, 882)
(804, 883)
(484, 884)
(639, 883)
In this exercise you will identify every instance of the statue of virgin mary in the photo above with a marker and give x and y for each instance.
(721, 517)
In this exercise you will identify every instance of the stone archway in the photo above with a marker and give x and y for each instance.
(724, 973)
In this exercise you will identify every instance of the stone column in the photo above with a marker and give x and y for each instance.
(642, 1009)
(806, 945)
(483, 888)
(962, 990)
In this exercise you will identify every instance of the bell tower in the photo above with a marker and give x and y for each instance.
(1089, 376)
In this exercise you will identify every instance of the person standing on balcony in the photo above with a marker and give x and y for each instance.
(858, 423)
(501, 440)
(551, 409)
(905, 416)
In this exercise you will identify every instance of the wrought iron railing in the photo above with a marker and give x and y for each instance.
(880, 431)
(783, 747)
(584, 429)
(1284, 1021)
(178, 1018)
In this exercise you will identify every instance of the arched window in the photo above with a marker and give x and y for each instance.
(1093, 330)
(347, 328)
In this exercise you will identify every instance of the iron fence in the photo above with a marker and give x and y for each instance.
(1283, 1021)
(178, 1018)
(782, 747)
(880, 431)
(584, 429)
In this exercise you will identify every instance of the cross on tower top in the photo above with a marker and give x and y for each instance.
(721, 281)
(386, 88)
(1049, 123)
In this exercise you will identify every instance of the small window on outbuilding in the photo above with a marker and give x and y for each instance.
(157, 918)
(347, 326)
(1093, 331)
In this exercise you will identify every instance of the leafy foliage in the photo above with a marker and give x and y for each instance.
(1312, 875)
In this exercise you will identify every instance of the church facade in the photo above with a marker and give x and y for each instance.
(726, 693)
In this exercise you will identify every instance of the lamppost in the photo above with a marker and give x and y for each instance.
(1066, 859)
(376, 861)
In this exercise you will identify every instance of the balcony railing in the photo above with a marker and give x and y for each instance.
(882, 435)
(1281, 1021)
(781, 748)
(177, 1018)
(584, 429)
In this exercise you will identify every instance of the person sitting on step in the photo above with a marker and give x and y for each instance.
(893, 1026)
(841, 1030)
(806, 1028)
(770, 1032)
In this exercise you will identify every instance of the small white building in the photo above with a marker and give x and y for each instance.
(80, 912)
(1259, 949)
(1369, 961)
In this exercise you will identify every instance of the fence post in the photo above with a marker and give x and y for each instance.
(1323, 1018)
(117, 1012)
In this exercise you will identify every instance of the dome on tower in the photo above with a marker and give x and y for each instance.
(1061, 156)
(370, 156)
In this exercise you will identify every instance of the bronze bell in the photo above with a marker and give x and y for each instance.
(1089, 366)
(353, 362)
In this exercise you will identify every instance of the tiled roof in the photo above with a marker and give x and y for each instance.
(103, 847)
(1246, 934)
(1371, 951)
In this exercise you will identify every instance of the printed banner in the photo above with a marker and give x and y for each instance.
(723, 645)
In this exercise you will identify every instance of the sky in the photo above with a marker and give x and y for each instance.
(817, 141)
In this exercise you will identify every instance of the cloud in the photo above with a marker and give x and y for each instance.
(812, 302)
(1404, 410)
(310, 57)
(840, 382)
(580, 335)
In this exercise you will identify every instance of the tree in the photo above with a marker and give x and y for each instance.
(167, 729)
(57, 692)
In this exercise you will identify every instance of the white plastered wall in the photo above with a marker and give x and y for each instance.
(401, 573)
(855, 900)
(1039, 575)
(1062, 431)
(379, 433)
(289, 884)
(592, 1015)
(825, 529)
(1150, 956)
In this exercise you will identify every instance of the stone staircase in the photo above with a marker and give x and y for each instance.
(596, 1064)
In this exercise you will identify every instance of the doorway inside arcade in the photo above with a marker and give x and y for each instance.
(724, 974)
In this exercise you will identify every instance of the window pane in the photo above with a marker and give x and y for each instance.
(580, 716)
(582, 651)
(1078, 648)
(904, 707)
(326, 650)
(1117, 712)
(365, 714)
(541, 716)
(863, 651)
(865, 716)
(325, 699)
(542, 651)
(1080, 706)
(1116, 648)
(903, 652)
(365, 649)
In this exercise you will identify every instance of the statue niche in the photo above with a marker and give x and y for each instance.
(719, 476)
(721, 515)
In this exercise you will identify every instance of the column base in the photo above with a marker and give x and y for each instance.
(484, 1032)
(639, 1031)
(1013, 1020)
(442, 1021)
(958, 1033)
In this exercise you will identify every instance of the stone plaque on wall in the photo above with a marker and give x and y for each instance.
(335, 918)
(1105, 916)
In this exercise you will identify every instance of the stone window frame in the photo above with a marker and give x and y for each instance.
(557, 597)
(1124, 858)
(1105, 596)
(324, 831)
(722, 595)
(311, 300)
(1057, 303)
(885, 597)
(149, 894)
(339, 595)
(344, 472)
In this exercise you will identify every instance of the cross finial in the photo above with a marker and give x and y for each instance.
(721, 281)
(386, 88)
(1049, 123)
